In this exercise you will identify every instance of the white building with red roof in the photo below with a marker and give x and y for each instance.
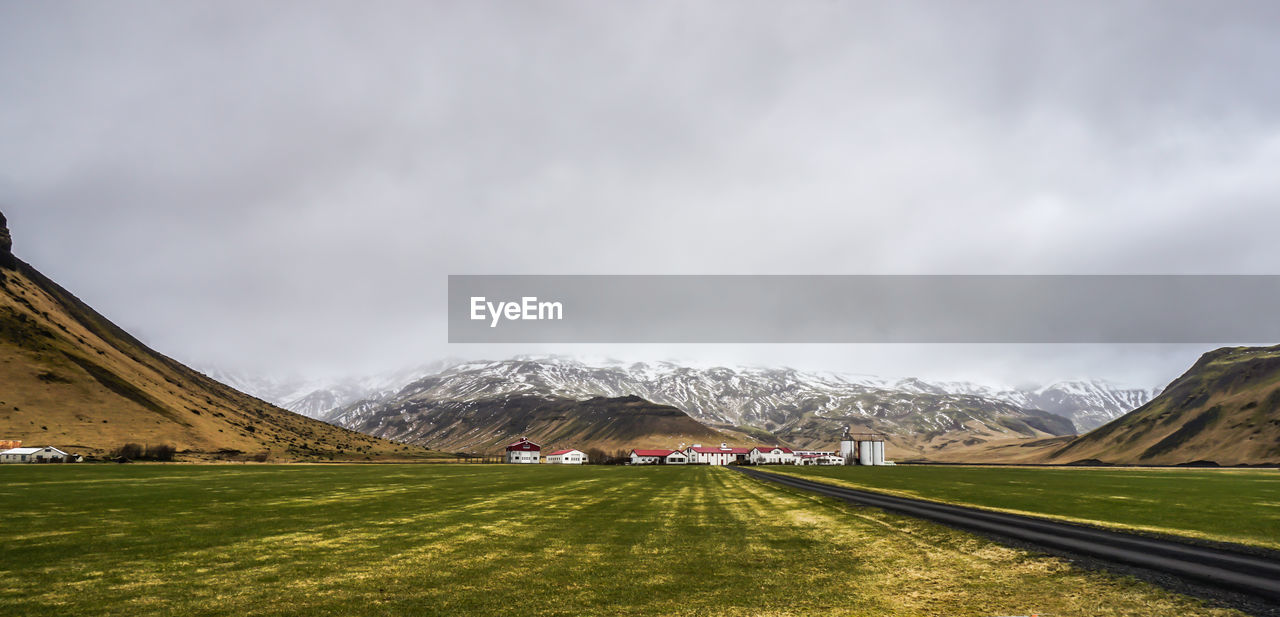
(656, 457)
(723, 455)
(567, 457)
(524, 451)
(772, 455)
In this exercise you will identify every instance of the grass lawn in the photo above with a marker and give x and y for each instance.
(502, 539)
(1230, 505)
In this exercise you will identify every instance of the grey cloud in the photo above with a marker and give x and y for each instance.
(286, 185)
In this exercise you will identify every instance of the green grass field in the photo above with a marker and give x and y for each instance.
(487, 540)
(1229, 505)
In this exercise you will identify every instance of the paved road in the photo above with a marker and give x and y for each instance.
(1218, 568)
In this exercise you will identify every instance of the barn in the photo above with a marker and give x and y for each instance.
(567, 457)
(47, 454)
(524, 451)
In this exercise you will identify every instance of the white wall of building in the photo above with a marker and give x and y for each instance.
(572, 457)
(34, 455)
(523, 456)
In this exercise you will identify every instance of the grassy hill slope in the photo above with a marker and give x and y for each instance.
(72, 379)
(1225, 409)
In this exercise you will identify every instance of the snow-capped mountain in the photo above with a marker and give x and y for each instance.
(315, 398)
(1088, 403)
(801, 407)
(796, 405)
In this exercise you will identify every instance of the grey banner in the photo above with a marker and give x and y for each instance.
(864, 309)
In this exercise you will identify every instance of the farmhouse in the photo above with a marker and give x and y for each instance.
(699, 455)
(658, 457)
(47, 454)
(771, 455)
(567, 457)
(524, 451)
(650, 457)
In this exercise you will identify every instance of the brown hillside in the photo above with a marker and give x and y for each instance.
(956, 441)
(72, 379)
(1225, 409)
(487, 425)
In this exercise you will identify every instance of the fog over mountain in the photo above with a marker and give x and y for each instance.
(283, 188)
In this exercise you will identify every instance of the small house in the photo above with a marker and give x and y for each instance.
(650, 457)
(47, 454)
(567, 457)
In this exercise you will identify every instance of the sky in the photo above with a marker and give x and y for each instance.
(283, 187)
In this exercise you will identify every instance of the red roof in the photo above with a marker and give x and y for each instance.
(772, 448)
(653, 452)
(559, 452)
(524, 445)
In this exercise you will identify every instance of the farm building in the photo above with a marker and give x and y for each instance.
(723, 455)
(567, 457)
(650, 457)
(819, 458)
(657, 457)
(47, 454)
(524, 451)
(862, 448)
(771, 455)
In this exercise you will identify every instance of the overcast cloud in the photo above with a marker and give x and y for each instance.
(283, 187)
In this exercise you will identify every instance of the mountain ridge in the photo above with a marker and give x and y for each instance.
(1088, 403)
(803, 409)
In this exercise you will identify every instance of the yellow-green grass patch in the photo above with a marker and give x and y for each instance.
(503, 539)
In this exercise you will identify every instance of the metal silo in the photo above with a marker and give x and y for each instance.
(866, 453)
(848, 448)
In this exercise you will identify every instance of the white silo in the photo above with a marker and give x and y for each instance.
(848, 451)
(866, 452)
(848, 448)
(879, 453)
